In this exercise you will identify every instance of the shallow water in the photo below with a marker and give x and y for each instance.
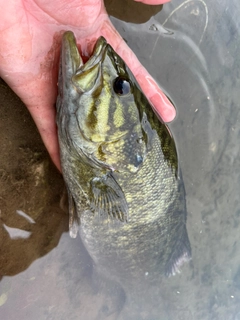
(191, 49)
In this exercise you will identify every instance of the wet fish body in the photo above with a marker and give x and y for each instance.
(120, 165)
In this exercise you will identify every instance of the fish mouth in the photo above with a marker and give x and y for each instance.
(98, 54)
(72, 58)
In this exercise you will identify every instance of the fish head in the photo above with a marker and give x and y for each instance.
(101, 113)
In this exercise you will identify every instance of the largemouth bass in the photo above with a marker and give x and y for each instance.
(120, 165)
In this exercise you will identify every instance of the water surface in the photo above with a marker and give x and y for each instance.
(192, 49)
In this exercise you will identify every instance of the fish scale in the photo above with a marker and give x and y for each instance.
(149, 224)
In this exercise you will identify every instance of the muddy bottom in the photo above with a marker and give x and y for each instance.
(29, 183)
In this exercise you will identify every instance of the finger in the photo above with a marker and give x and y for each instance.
(154, 94)
(39, 95)
(149, 86)
(40, 103)
(44, 117)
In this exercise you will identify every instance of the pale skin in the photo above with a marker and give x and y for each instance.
(30, 34)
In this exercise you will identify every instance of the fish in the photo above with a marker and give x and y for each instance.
(120, 165)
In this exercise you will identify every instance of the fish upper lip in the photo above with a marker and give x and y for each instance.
(97, 55)
(72, 57)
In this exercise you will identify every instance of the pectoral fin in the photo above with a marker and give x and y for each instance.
(108, 198)
(180, 254)
(73, 216)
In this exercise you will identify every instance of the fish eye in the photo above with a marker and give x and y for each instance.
(121, 86)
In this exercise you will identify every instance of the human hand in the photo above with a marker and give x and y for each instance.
(30, 37)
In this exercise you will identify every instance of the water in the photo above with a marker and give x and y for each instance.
(191, 49)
